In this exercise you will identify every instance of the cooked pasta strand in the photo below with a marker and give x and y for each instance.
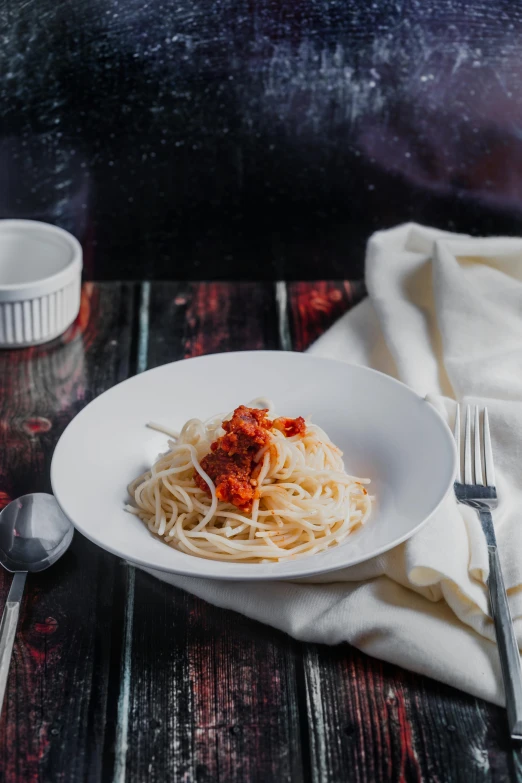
(304, 500)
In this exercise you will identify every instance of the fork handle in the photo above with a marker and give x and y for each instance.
(507, 644)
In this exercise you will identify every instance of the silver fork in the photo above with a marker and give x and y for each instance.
(478, 491)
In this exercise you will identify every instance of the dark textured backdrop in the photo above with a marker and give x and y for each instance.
(258, 139)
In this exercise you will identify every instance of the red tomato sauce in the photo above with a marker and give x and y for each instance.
(230, 463)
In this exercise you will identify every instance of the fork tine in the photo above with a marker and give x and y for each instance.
(478, 459)
(488, 453)
(468, 472)
(456, 433)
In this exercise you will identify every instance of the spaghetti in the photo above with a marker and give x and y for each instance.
(250, 488)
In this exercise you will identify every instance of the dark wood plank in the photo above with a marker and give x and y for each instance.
(53, 721)
(314, 307)
(191, 319)
(213, 694)
(375, 721)
(388, 724)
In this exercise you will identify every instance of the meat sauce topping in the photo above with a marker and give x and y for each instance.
(230, 463)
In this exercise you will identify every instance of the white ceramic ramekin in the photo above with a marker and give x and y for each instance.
(40, 282)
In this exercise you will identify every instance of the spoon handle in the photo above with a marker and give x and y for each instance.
(8, 627)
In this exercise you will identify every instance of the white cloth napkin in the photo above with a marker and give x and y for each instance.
(444, 315)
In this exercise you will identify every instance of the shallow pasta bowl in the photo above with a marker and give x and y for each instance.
(386, 431)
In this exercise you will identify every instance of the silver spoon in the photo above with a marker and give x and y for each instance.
(34, 533)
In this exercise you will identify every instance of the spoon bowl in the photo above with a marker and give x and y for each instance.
(34, 533)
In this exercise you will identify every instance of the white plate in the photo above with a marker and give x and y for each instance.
(385, 430)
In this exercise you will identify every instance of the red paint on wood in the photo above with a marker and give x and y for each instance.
(315, 306)
(409, 768)
(227, 317)
(24, 730)
(36, 425)
(48, 627)
(5, 499)
(243, 696)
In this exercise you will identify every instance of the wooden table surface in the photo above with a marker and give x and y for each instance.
(119, 677)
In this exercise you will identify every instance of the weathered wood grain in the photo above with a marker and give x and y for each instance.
(314, 307)
(191, 319)
(388, 724)
(213, 694)
(53, 721)
(371, 722)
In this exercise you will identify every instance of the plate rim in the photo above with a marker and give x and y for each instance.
(308, 570)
